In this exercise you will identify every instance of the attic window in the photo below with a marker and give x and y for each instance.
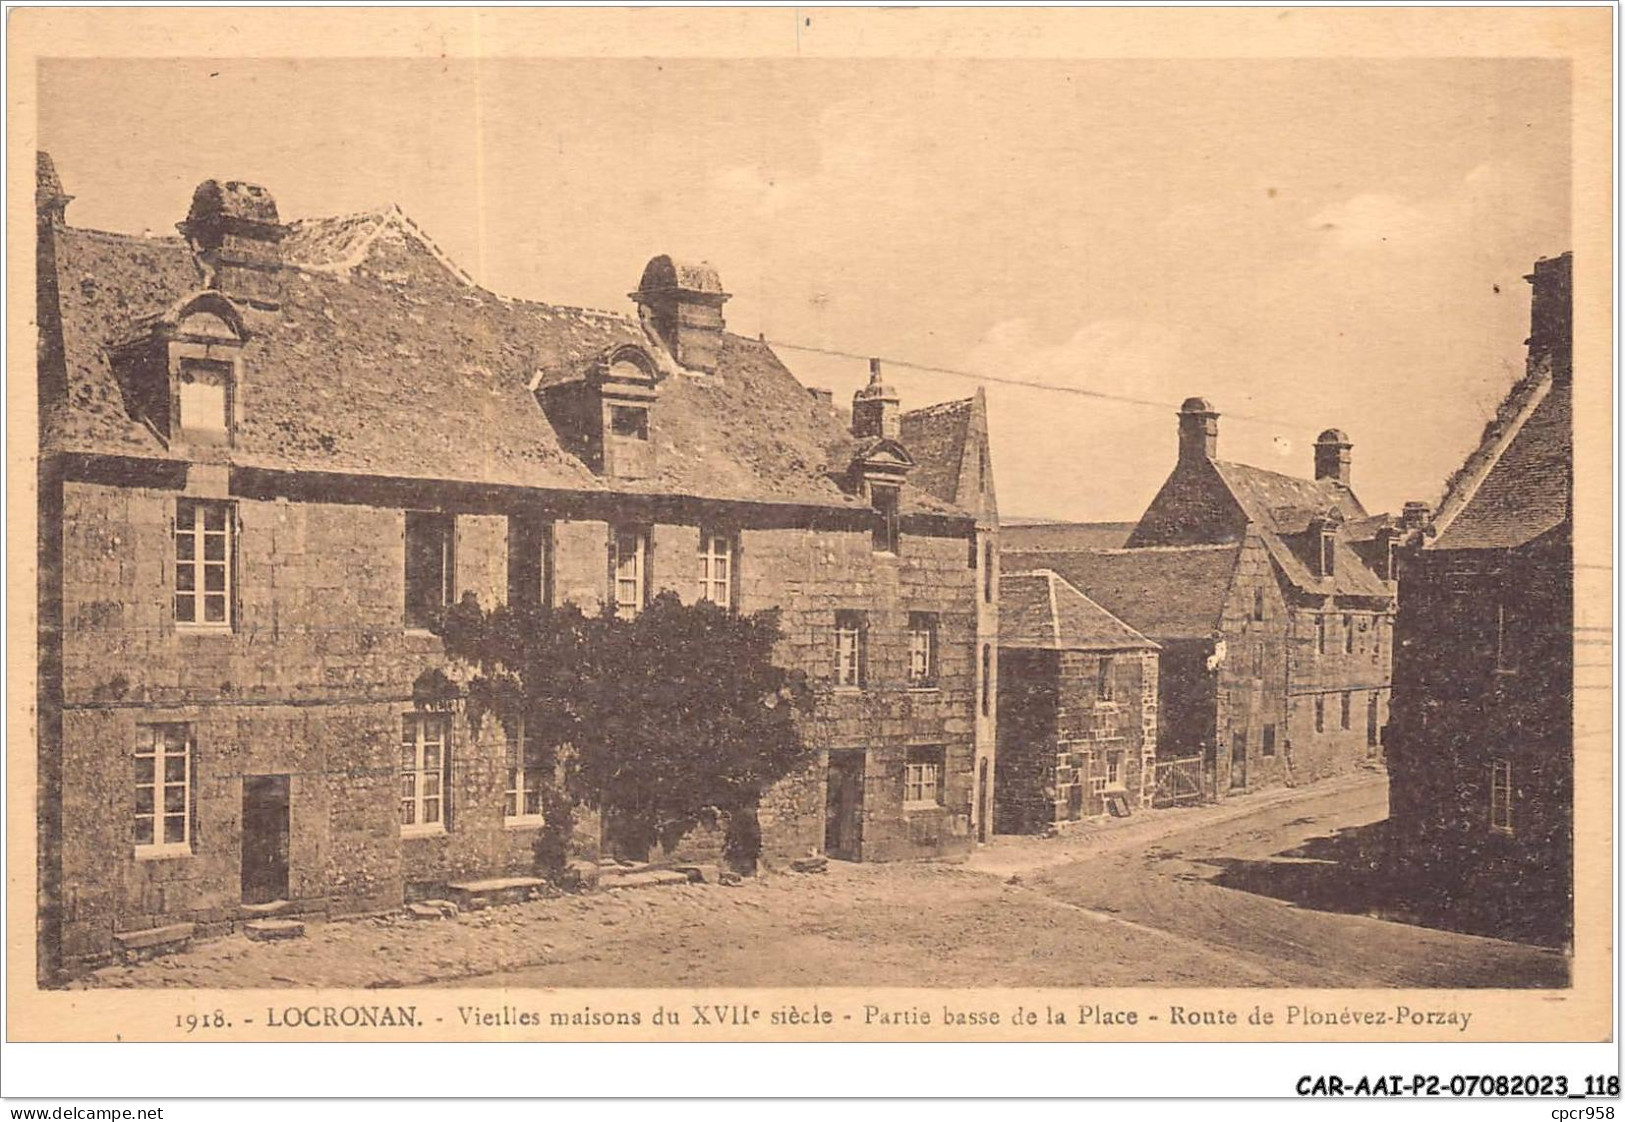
(1328, 553)
(887, 529)
(203, 397)
(629, 421)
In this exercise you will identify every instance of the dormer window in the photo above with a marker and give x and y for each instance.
(203, 398)
(888, 530)
(1328, 553)
(630, 422)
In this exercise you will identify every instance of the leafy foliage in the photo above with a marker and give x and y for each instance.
(675, 717)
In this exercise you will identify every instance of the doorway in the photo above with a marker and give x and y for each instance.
(1238, 760)
(265, 838)
(843, 810)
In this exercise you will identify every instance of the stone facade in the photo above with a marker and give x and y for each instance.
(294, 705)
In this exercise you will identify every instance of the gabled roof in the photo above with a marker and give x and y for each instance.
(1526, 486)
(384, 358)
(1065, 535)
(947, 442)
(1282, 507)
(1040, 610)
(1165, 592)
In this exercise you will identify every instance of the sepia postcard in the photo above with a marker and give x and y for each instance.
(791, 524)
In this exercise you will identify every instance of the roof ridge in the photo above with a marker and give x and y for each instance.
(941, 407)
(1209, 547)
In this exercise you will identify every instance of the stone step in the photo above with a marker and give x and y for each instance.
(270, 930)
(644, 878)
(153, 941)
(472, 895)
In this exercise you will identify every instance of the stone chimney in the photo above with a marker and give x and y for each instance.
(1198, 431)
(680, 305)
(1332, 458)
(234, 230)
(50, 204)
(1415, 516)
(876, 408)
(1551, 314)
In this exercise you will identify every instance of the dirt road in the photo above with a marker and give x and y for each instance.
(1145, 906)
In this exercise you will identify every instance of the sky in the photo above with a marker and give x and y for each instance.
(1305, 243)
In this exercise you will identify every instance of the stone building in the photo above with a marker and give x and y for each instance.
(1272, 599)
(1481, 742)
(272, 452)
(1077, 707)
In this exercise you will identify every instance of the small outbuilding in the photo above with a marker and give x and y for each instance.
(1077, 727)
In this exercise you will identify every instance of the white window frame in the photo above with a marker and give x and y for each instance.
(153, 750)
(631, 577)
(195, 383)
(922, 650)
(525, 780)
(198, 540)
(1501, 795)
(1115, 760)
(922, 782)
(848, 651)
(716, 567)
(417, 773)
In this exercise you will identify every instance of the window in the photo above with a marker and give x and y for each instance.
(203, 562)
(629, 548)
(971, 553)
(430, 567)
(1372, 730)
(1348, 634)
(1390, 570)
(1320, 712)
(987, 680)
(1501, 795)
(629, 421)
(523, 803)
(1376, 638)
(1114, 769)
(849, 652)
(1269, 740)
(425, 761)
(922, 650)
(1328, 554)
(716, 568)
(1258, 603)
(922, 778)
(1504, 660)
(1320, 634)
(530, 549)
(1105, 687)
(163, 789)
(987, 571)
(887, 531)
(203, 402)
(1258, 660)
(1348, 703)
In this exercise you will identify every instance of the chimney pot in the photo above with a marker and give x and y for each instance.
(680, 305)
(876, 408)
(234, 229)
(1332, 460)
(1198, 431)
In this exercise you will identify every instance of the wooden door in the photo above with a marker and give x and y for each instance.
(265, 839)
(843, 811)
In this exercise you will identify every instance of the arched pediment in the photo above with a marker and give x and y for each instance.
(206, 316)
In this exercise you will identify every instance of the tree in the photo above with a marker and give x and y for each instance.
(675, 717)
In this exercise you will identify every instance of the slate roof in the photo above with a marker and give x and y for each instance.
(936, 438)
(1527, 491)
(1066, 535)
(1040, 610)
(1164, 592)
(1282, 508)
(386, 359)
